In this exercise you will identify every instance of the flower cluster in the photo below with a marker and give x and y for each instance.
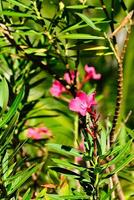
(82, 103)
(57, 88)
(39, 133)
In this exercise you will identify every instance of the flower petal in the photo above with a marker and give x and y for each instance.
(74, 104)
(91, 100)
(82, 96)
(91, 73)
(32, 133)
(57, 88)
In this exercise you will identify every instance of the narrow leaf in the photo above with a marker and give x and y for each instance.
(74, 27)
(96, 48)
(80, 36)
(15, 14)
(69, 197)
(12, 109)
(123, 5)
(27, 195)
(65, 163)
(17, 3)
(88, 21)
(64, 171)
(124, 163)
(121, 154)
(8, 133)
(62, 149)
(23, 176)
(77, 7)
(4, 95)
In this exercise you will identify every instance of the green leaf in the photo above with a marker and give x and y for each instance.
(42, 195)
(96, 48)
(5, 165)
(23, 176)
(68, 197)
(15, 14)
(7, 172)
(126, 175)
(121, 154)
(65, 163)
(64, 171)
(62, 149)
(80, 36)
(124, 163)
(4, 94)
(103, 140)
(27, 195)
(88, 21)
(12, 109)
(123, 5)
(130, 132)
(8, 133)
(29, 33)
(74, 27)
(35, 50)
(17, 3)
(107, 195)
(77, 7)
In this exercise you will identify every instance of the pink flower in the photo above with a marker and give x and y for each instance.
(57, 88)
(69, 76)
(39, 133)
(91, 73)
(82, 103)
(81, 148)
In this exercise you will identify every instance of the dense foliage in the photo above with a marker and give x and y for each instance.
(66, 127)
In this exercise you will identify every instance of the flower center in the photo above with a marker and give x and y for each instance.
(83, 105)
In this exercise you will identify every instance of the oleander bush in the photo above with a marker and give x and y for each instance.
(66, 100)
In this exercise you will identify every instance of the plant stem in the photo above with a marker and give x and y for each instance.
(119, 91)
(76, 127)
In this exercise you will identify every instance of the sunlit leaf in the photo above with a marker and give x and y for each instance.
(130, 132)
(27, 195)
(17, 3)
(62, 149)
(80, 36)
(4, 95)
(77, 7)
(69, 197)
(65, 163)
(15, 14)
(96, 48)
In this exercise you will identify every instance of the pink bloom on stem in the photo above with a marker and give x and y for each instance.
(81, 147)
(69, 76)
(57, 88)
(91, 73)
(39, 133)
(82, 103)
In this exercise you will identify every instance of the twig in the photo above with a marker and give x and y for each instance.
(119, 90)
